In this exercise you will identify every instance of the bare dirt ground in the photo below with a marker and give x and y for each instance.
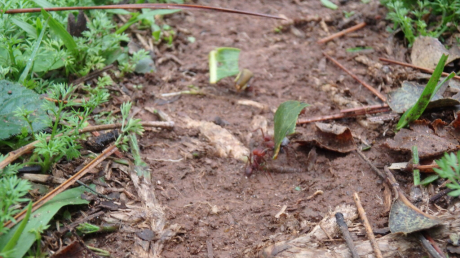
(219, 209)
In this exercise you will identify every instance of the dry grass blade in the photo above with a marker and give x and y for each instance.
(106, 153)
(142, 6)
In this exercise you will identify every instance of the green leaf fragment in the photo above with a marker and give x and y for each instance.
(223, 62)
(329, 4)
(285, 120)
(9, 247)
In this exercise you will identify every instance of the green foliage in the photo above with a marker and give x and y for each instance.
(450, 169)
(431, 88)
(285, 120)
(129, 126)
(20, 108)
(423, 18)
(11, 245)
(40, 218)
(223, 62)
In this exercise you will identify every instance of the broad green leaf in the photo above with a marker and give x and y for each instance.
(417, 110)
(62, 33)
(26, 27)
(285, 120)
(223, 62)
(14, 96)
(41, 217)
(32, 56)
(20, 228)
(47, 61)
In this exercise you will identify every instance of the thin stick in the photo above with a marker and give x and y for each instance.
(428, 247)
(434, 244)
(141, 6)
(106, 153)
(378, 94)
(341, 33)
(13, 155)
(413, 66)
(346, 234)
(94, 191)
(339, 116)
(364, 109)
(92, 75)
(370, 233)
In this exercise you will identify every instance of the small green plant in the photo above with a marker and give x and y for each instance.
(425, 18)
(129, 126)
(431, 88)
(415, 161)
(449, 168)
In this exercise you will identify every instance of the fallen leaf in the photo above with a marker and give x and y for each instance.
(421, 135)
(426, 52)
(331, 137)
(405, 220)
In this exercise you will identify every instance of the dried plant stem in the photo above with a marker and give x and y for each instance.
(413, 66)
(370, 233)
(341, 33)
(140, 6)
(13, 155)
(341, 115)
(106, 153)
(365, 109)
(378, 94)
(428, 247)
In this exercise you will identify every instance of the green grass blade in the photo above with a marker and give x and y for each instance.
(62, 33)
(14, 240)
(26, 27)
(417, 110)
(32, 56)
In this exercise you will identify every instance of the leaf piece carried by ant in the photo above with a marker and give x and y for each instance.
(331, 137)
(285, 121)
(422, 135)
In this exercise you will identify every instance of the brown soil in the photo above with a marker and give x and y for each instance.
(210, 197)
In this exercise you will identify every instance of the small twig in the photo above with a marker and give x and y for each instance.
(92, 75)
(185, 92)
(428, 247)
(317, 192)
(210, 249)
(434, 244)
(376, 170)
(339, 116)
(13, 155)
(107, 152)
(94, 191)
(341, 33)
(438, 196)
(364, 110)
(370, 233)
(141, 6)
(325, 232)
(413, 66)
(378, 94)
(346, 234)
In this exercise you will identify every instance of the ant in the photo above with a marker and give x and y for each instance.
(255, 160)
(257, 157)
